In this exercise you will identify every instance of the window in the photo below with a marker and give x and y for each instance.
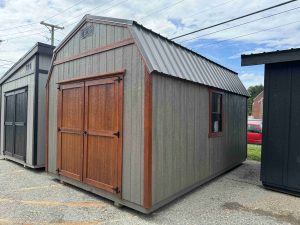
(216, 114)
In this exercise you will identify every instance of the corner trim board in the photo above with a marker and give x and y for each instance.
(148, 140)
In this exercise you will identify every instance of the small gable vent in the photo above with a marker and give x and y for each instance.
(87, 31)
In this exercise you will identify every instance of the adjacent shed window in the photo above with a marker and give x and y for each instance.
(216, 113)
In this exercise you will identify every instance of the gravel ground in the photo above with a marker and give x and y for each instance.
(32, 197)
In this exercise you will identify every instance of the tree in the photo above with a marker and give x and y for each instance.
(253, 92)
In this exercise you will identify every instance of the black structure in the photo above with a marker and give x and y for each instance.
(280, 167)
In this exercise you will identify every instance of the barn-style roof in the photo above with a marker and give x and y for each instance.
(169, 58)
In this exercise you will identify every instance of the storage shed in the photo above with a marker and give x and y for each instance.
(23, 107)
(280, 164)
(137, 118)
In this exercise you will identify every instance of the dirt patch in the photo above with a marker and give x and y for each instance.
(289, 218)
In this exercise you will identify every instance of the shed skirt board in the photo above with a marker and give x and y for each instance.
(134, 206)
(89, 132)
(21, 162)
(282, 189)
(15, 124)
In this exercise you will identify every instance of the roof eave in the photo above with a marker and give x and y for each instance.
(37, 48)
(271, 57)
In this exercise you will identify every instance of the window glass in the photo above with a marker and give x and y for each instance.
(216, 111)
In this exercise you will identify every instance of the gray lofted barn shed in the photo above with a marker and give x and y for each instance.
(137, 118)
(23, 106)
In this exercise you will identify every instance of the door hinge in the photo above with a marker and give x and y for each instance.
(58, 129)
(116, 190)
(58, 87)
(119, 79)
(57, 170)
(117, 134)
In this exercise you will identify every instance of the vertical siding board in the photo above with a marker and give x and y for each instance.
(135, 151)
(126, 189)
(182, 152)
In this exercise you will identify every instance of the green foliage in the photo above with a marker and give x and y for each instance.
(254, 152)
(253, 92)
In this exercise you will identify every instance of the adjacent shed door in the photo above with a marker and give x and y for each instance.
(89, 132)
(15, 124)
(71, 130)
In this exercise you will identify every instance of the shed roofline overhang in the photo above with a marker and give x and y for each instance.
(38, 48)
(203, 85)
(271, 57)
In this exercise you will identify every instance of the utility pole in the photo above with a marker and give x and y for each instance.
(52, 28)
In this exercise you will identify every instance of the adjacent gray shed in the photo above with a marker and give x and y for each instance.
(23, 107)
(280, 164)
(137, 118)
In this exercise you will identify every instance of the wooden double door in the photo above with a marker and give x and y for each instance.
(90, 132)
(15, 128)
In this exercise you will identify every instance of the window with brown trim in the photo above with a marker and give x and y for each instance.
(215, 113)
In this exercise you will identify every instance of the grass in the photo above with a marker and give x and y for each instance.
(254, 152)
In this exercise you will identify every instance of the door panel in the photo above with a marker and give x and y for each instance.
(20, 125)
(70, 130)
(15, 123)
(101, 140)
(9, 142)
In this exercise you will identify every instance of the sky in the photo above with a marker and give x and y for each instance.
(275, 29)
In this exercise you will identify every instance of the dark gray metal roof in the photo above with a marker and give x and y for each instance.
(271, 57)
(169, 58)
(38, 48)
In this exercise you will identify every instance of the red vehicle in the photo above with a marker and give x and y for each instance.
(254, 134)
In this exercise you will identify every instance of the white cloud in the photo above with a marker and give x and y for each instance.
(251, 79)
(190, 14)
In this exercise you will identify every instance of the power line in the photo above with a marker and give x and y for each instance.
(77, 3)
(92, 9)
(156, 11)
(238, 25)
(237, 18)
(35, 23)
(245, 35)
(206, 9)
(4, 60)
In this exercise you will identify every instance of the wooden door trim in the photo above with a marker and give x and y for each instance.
(118, 89)
(148, 140)
(94, 76)
(61, 130)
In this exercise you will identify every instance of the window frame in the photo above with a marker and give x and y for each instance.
(220, 133)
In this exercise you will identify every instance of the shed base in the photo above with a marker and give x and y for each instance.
(116, 200)
(121, 202)
(5, 157)
(282, 189)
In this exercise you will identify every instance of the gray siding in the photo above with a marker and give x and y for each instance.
(122, 58)
(103, 35)
(22, 72)
(41, 128)
(183, 155)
